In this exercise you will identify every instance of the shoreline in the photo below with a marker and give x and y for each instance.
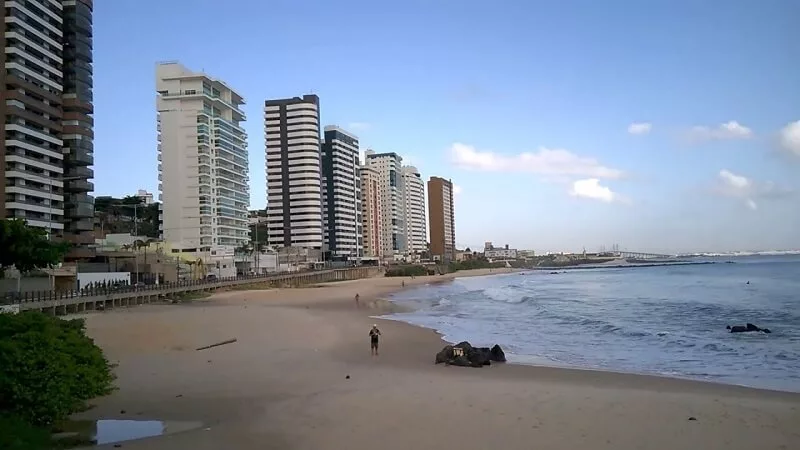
(300, 376)
(399, 309)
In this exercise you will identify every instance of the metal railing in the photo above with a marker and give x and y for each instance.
(23, 298)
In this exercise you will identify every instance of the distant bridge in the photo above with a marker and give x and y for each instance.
(638, 255)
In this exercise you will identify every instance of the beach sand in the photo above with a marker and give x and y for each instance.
(284, 385)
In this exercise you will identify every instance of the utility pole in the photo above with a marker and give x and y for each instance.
(255, 243)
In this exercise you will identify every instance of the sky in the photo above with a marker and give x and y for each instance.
(659, 126)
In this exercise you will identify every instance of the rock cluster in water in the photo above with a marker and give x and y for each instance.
(465, 355)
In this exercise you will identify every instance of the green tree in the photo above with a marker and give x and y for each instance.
(244, 249)
(127, 215)
(49, 368)
(27, 248)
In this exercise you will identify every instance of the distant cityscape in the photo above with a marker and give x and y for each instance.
(323, 202)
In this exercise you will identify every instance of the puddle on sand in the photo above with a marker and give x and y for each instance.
(109, 431)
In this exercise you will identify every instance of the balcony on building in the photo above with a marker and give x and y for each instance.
(80, 209)
(78, 186)
(82, 156)
(77, 226)
(80, 172)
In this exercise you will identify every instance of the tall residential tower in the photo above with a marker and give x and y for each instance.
(392, 216)
(202, 161)
(294, 172)
(341, 195)
(442, 219)
(414, 206)
(47, 148)
(77, 134)
(371, 209)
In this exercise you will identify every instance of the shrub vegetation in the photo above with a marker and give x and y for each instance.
(49, 369)
(407, 271)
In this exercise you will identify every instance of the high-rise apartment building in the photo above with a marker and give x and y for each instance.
(46, 114)
(202, 161)
(371, 209)
(341, 195)
(441, 213)
(77, 133)
(294, 172)
(414, 207)
(392, 216)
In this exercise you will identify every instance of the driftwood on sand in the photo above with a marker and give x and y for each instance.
(229, 341)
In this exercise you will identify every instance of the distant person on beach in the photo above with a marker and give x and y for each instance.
(374, 333)
(357, 303)
(403, 283)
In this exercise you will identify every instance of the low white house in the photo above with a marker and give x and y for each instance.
(490, 252)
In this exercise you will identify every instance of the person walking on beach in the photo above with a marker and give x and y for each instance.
(358, 305)
(373, 339)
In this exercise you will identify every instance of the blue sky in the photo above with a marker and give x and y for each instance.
(658, 126)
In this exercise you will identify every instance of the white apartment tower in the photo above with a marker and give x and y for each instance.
(371, 209)
(341, 195)
(202, 161)
(414, 206)
(294, 172)
(392, 217)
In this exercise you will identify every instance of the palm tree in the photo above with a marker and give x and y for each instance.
(191, 265)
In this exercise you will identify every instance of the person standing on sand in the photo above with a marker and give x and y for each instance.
(358, 305)
(373, 339)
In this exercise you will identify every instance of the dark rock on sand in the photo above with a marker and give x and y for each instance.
(445, 355)
(459, 360)
(465, 355)
(497, 354)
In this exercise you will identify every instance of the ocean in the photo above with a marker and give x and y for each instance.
(664, 320)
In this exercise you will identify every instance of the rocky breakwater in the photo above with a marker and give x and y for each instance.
(465, 355)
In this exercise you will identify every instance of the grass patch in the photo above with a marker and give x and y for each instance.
(408, 271)
(192, 296)
(252, 287)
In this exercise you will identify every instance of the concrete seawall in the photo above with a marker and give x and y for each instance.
(71, 302)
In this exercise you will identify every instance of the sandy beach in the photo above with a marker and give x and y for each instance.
(300, 376)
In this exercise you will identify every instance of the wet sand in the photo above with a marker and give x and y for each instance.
(284, 384)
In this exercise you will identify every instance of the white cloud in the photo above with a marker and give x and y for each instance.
(456, 189)
(790, 138)
(734, 181)
(748, 190)
(640, 128)
(726, 131)
(546, 162)
(358, 126)
(592, 189)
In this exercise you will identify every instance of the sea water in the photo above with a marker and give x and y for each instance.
(665, 320)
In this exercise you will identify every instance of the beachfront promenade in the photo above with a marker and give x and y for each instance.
(100, 298)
